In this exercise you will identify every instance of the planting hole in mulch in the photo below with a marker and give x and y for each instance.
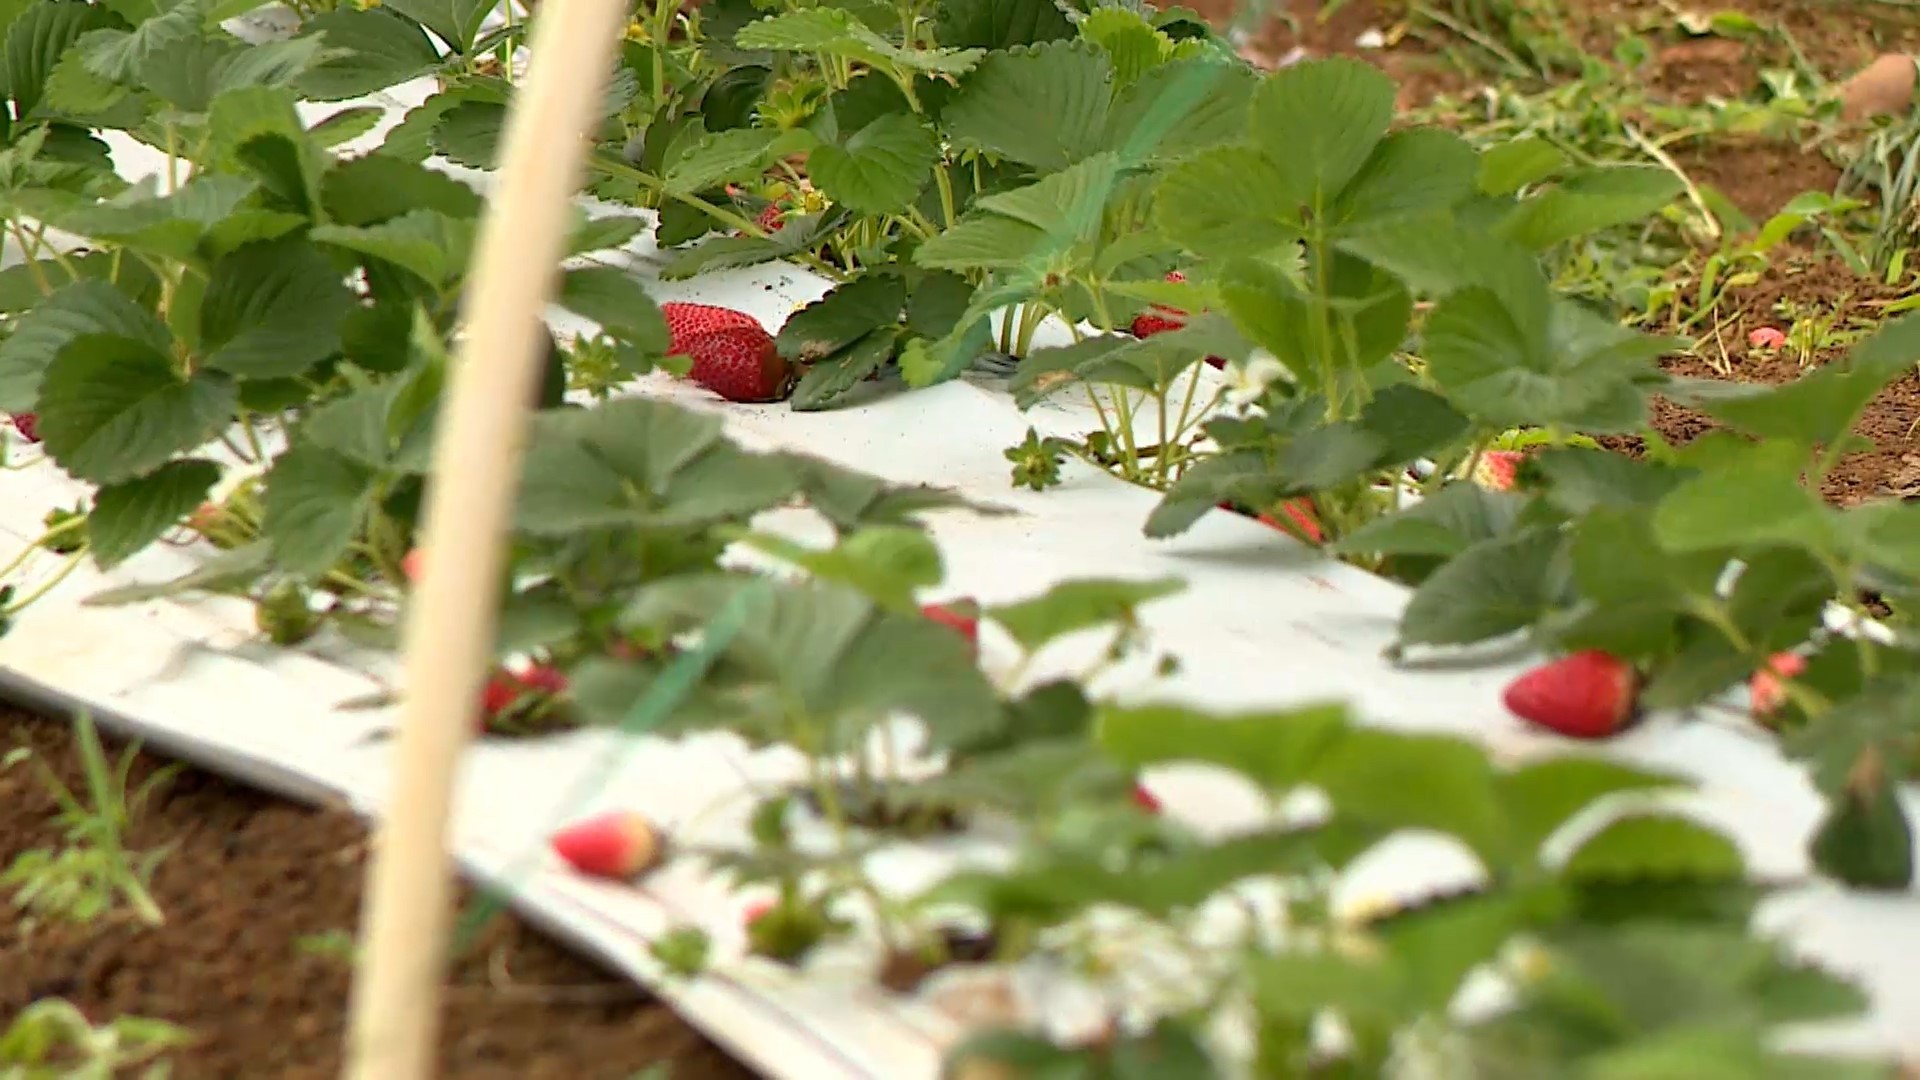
(260, 898)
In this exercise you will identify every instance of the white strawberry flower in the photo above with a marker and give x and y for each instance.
(1247, 382)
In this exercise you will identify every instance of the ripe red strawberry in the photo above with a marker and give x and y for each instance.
(543, 679)
(1145, 799)
(1765, 691)
(771, 218)
(616, 845)
(501, 693)
(27, 424)
(1589, 695)
(1300, 512)
(1162, 318)
(740, 363)
(958, 616)
(688, 321)
(414, 564)
(1497, 469)
(1148, 323)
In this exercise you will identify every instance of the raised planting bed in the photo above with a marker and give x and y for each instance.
(1153, 799)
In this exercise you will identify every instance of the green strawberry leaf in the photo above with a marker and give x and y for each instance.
(880, 169)
(838, 32)
(1446, 524)
(843, 316)
(38, 38)
(1649, 845)
(315, 500)
(1588, 201)
(377, 49)
(1073, 606)
(112, 409)
(455, 22)
(81, 309)
(1493, 588)
(130, 515)
(1390, 781)
(828, 379)
(426, 243)
(1040, 105)
(886, 563)
(619, 304)
(273, 310)
(1180, 108)
(999, 24)
(1318, 122)
(1278, 751)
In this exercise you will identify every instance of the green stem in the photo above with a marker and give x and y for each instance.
(46, 586)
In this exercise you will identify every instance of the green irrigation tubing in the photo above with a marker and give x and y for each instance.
(661, 698)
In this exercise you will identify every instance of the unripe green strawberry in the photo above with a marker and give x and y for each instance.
(285, 615)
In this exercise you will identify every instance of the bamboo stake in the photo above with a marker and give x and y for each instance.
(451, 624)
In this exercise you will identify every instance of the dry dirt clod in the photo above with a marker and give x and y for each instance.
(1882, 88)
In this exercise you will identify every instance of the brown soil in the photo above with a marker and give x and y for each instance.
(248, 884)
(1821, 291)
(1758, 175)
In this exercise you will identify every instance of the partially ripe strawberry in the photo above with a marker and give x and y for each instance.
(1497, 469)
(756, 911)
(1766, 337)
(414, 564)
(1588, 695)
(771, 218)
(27, 424)
(616, 845)
(1145, 799)
(688, 321)
(1767, 691)
(1300, 512)
(954, 616)
(740, 363)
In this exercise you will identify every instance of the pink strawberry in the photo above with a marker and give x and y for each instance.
(627, 649)
(615, 845)
(1765, 691)
(740, 363)
(956, 616)
(1766, 337)
(27, 424)
(1145, 799)
(1300, 512)
(414, 564)
(688, 321)
(1588, 695)
(1497, 469)
(756, 911)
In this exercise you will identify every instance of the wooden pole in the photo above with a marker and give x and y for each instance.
(394, 1026)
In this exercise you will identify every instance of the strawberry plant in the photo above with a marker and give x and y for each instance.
(1274, 296)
